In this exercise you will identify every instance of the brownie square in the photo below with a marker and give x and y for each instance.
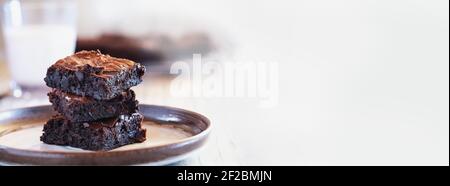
(90, 73)
(81, 108)
(103, 135)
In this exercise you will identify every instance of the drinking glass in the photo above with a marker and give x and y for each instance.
(36, 33)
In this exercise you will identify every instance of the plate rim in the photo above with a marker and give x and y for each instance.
(196, 138)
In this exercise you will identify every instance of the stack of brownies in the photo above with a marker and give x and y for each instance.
(96, 108)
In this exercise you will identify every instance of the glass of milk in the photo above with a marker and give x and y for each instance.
(36, 34)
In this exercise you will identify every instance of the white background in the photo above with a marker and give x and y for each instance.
(361, 82)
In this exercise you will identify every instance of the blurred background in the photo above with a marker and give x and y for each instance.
(360, 82)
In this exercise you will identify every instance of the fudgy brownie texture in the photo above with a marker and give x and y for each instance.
(81, 108)
(103, 135)
(90, 73)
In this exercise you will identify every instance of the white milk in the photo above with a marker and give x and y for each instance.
(31, 49)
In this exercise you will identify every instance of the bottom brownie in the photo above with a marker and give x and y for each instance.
(103, 134)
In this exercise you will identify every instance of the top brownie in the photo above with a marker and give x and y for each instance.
(90, 73)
